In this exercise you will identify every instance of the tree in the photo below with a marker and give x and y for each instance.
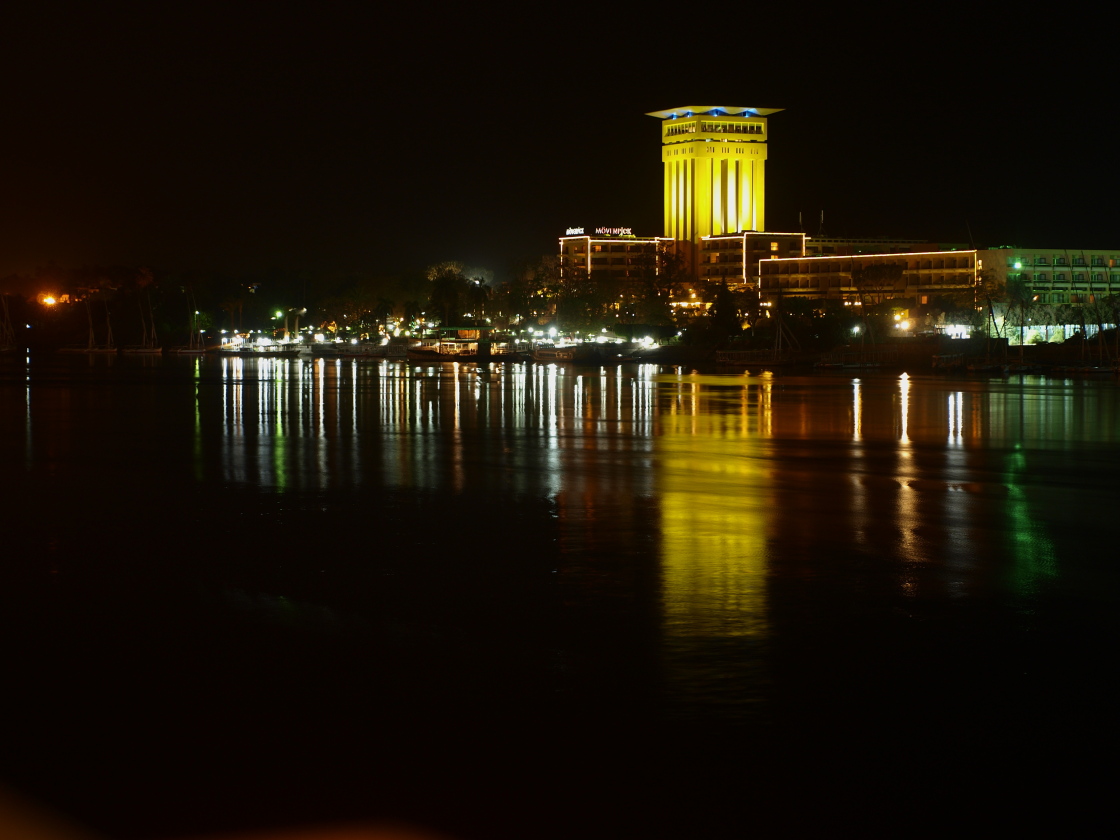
(724, 315)
(582, 303)
(1019, 301)
(447, 292)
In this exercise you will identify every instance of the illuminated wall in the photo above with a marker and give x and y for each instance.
(714, 160)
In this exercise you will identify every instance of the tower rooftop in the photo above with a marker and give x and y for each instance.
(713, 110)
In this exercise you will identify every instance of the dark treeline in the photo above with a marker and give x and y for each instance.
(135, 305)
(61, 304)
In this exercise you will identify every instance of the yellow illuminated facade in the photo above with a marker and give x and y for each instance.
(714, 159)
(733, 258)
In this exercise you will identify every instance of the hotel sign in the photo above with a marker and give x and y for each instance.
(601, 231)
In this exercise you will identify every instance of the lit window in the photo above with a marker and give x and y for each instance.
(774, 246)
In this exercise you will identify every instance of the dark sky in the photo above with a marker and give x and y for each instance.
(251, 137)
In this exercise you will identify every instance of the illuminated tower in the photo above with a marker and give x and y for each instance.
(715, 159)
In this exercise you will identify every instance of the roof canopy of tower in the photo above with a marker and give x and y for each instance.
(714, 111)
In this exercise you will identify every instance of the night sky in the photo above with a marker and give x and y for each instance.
(246, 138)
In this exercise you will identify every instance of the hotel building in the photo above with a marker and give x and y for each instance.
(714, 162)
(733, 258)
(1058, 276)
(923, 276)
(610, 253)
(1053, 276)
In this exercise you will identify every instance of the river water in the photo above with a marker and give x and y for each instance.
(546, 601)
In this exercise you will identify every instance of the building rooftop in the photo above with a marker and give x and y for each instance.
(714, 111)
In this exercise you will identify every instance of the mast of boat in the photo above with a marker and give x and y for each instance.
(143, 324)
(153, 340)
(89, 316)
(7, 334)
(195, 342)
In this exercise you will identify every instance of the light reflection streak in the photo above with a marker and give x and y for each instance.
(28, 438)
(857, 411)
(956, 418)
(904, 408)
(713, 497)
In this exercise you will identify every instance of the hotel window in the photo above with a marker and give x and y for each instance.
(1059, 278)
(1079, 277)
(1098, 260)
(1041, 278)
(1114, 278)
(1059, 260)
(774, 247)
(1098, 278)
(1079, 261)
(1058, 298)
(1041, 261)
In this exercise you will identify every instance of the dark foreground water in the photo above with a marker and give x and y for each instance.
(541, 601)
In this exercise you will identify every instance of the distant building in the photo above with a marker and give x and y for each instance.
(1054, 276)
(1058, 276)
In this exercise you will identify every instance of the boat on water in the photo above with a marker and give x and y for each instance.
(266, 352)
(196, 347)
(352, 350)
(590, 353)
(466, 350)
(149, 343)
(781, 354)
(141, 349)
(554, 354)
(989, 367)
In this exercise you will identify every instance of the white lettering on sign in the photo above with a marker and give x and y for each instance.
(609, 231)
(574, 232)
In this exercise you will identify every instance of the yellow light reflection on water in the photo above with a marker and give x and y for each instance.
(712, 490)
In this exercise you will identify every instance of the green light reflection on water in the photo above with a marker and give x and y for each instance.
(1031, 549)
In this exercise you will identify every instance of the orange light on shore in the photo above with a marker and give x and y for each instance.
(49, 300)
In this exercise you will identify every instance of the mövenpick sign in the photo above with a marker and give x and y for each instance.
(602, 231)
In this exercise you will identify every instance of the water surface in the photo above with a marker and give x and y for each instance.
(536, 600)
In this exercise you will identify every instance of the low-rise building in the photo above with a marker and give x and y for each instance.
(733, 258)
(1058, 275)
(841, 246)
(610, 253)
(870, 278)
(1053, 276)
